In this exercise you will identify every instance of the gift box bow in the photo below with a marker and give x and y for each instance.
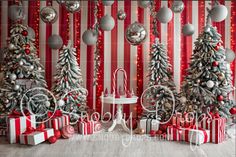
(16, 114)
(30, 130)
(55, 114)
(150, 116)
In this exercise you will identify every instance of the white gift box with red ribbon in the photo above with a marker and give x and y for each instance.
(36, 137)
(58, 123)
(216, 127)
(173, 133)
(86, 127)
(18, 125)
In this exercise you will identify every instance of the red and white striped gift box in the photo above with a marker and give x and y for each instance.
(86, 127)
(180, 120)
(36, 137)
(58, 123)
(97, 127)
(216, 127)
(173, 133)
(18, 125)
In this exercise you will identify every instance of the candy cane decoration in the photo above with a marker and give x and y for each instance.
(114, 79)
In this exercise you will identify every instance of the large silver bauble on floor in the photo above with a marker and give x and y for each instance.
(177, 6)
(136, 33)
(48, 14)
(15, 12)
(72, 6)
(218, 13)
(188, 29)
(55, 41)
(89, 37)
(164, 15)
(107, 23)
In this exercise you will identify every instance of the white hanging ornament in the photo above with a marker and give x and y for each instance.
(48, 14)
(164, 15)
(188, 29)
(177, 6)
(121, 15)
(210, 84)
(55, 41)
(144, 3)
(61, 103)
(90, 37)
(218, 13)
(16, 12)
(21, 62)
(13, 77)
(31, 68)
(229, 55)
(11, 46)
(72, 6)
(107, 2)
(136, 33)
(107, 23)
(16, 87)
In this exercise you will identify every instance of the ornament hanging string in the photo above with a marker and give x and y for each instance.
(153, 14)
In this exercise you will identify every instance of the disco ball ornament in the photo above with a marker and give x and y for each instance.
(55, 41)
(15, 12)
(136, 33)
(107, 2)
(107, 23)
(72, 6)
(164, 15)
(48, 14)
(218, 13)
(177, 6)
(60, 1)
(121, 15)
(229, 55)
(31, 33)
(90, 37)
(144, 3)
(188, 29)
(210, 84)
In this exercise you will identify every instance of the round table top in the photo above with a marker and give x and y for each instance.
(122, 100)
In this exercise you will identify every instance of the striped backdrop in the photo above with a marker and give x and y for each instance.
(116, 52)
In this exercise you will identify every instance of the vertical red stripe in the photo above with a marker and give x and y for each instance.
(17, 129)
(48, 55)
(201, 15)
(90, 57)
(170, 46)
(233, 37)
(127, 22)
(64, 24)
(76, 35)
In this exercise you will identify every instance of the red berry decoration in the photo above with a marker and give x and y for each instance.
(24, 33)
(57, 134)
(152, 133)
(65, 99)
(220, 98)
(233, 110)
(52, 139)
(215, 64)
(27, 51)
(27, 46)
(217, 47)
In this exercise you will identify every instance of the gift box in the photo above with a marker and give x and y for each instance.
(17, 125)
(182, 120)
(3, 131)
(58, 121)
(216, 127)
(37, 136)
(86, 127)
(148, 123)
(173, 133)
(97, 127)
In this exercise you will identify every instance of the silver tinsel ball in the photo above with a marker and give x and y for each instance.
(90, 37)
(47, 104)
(210, 84)
(31, 33)
(136, 33)
(164, 15)
(16, 87)
(13, 77)
(177, 6)
(6, 101)
(55, 41)
(183, 99)
(229, 55)
(188, 29)
(21, 63)
(60, 1)
(61, 103)
(72, 6)
(11, 46)
(107, 23)
(144, 3)
(16, 12)
(107, 2)
(121, 15)
(48, 14)
(218, 13)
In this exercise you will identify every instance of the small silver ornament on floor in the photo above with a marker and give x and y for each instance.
(48, 14)
(72, 6)
(107, 23)
(55, 41)
(121, 15)
(177, 6)
(188, 29)
(136, 33)
(164, 15)
(90, 37)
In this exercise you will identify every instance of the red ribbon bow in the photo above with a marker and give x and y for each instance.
(16, 114)
(57, 113)
(30, 130)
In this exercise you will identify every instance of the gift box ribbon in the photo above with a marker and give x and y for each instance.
(57, 113)
(16, 114)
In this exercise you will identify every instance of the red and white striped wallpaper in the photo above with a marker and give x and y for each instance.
(116, 51)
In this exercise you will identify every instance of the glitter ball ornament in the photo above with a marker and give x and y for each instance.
(220, 98)
(107, 23)
(67, 131)
(210, 84)
(164, 15)
(177, 6)
(188, 29)
(218, 13)
(72, 6)
(24, 33)
(121, 15)
(48, 14)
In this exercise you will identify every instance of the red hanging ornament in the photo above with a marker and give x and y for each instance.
(233, 110)
(24, 33)
(219, 44)
(27, 51)
(52, 139)
(65, 99)
(220, 98)
(78, 105)
(70, 94)
(57, 134)
(217, 47)
(215, 64)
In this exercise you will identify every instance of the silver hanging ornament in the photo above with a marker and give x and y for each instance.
(210, 84)
(177, 6)
(90, 37)
(72, 6)
(55, 41)
(31, 68)
(121, 15)
(31, 33)
(11, 46)
(188, 29)
(15, 12)
(60, 1)
(136, 33)
(6, 101)
(61, 103)
(144, 3)
(229, 55)
(207, 29)
(16, 87)
(13, 77)
(107, 23)
(107, 2)
(218, 13)
(21, 62)
(48, 14)
(164, 15)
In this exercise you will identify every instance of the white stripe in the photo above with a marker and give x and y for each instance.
(71, 28)
(4, 23)
(164, 27)
(42, 37)
(177, 51)
(83, 52)
(25, 8)
(195, 21)
(227, 24)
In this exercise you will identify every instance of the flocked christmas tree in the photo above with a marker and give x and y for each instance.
(22, 71)
(208, 82)
(160, 74)
(68, 85)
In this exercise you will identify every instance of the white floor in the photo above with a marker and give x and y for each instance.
(110, 145)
